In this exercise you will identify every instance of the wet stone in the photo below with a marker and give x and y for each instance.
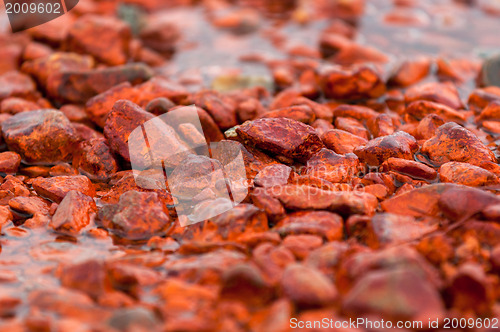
(455, 143)
(427, 127)
(137, 216)
(40, 137)
(341, 141)
(466, 174)
(95, 160)
(332, 167)
(73, 213)
(98, 107)
(57, 187)
(281, 136)
(353, 126)
(121, 121)
(382, 125)
(397, 145)
(411, 168)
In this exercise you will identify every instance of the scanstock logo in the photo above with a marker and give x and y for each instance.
(25, 14)
(170, 152)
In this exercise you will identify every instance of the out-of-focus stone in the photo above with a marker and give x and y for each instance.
(307, 287)
(490, 68)
(394, 294)
(470, 289)
(245, 282)
(442, 93)
(46, 68)
(420, 108)
(302, 244)
(94, 283)
(73, 213)
(159, 106)
(417, 202)
(358, 84)
(57, 187)
(223, 113)
(80, 86)
(14, 105)
(43, 136)
(15, 84)
(282, 136)
(481, 97)
(112, 45)
(387, 229)
(397, 145)
(410, 72)
(455, 143)
(9, 162)
(322, 223)
(461, 202)
(302, 113)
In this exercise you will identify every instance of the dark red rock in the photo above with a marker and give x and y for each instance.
(112, 45)
(95, 160)
(74, 213)
(40, 137)
(57, 187)
(397, 145)
(137, 216)
(121, 121)
(455, 143)
(282, 136)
